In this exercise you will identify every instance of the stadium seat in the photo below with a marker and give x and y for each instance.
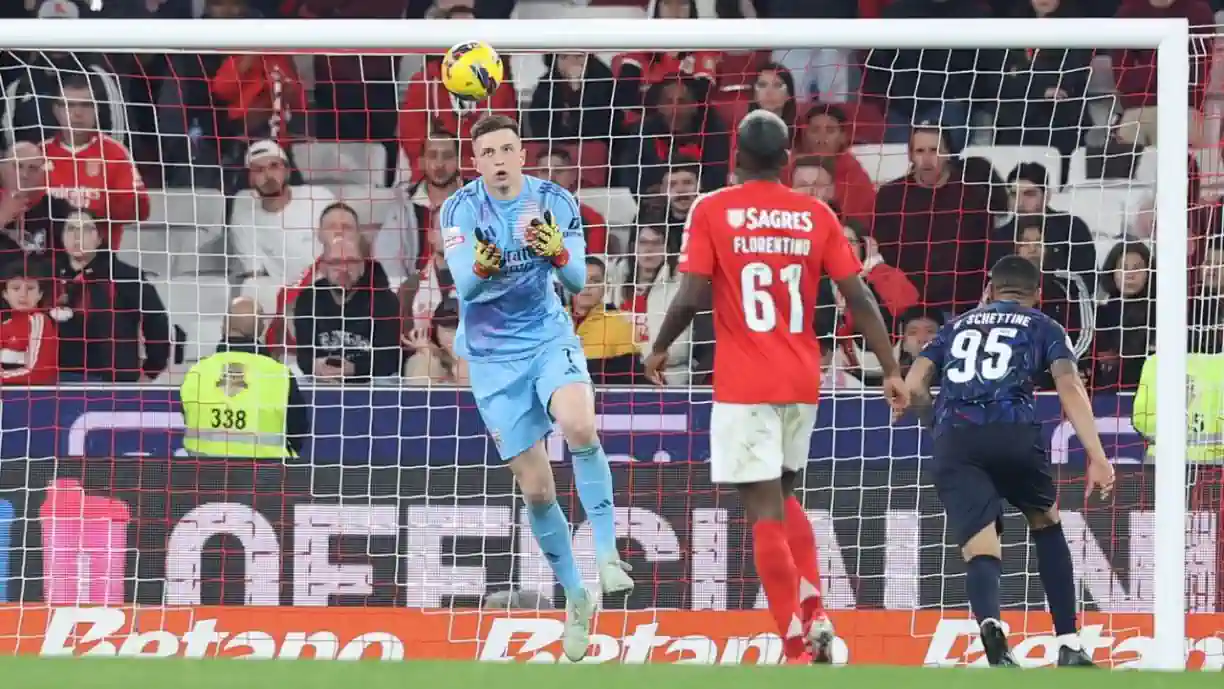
(883, 162)
(866, 121)
(328, 162)
(615, 204)
(1143, 174)
(180, 222)
(1006, 158)
(198, 306)
(1106, 209)
(371, 203)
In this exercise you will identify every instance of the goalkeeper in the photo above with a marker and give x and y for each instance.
(506, 236)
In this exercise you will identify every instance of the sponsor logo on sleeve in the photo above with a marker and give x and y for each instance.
(451, 238)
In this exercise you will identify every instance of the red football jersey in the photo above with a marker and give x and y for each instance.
(100, 177)
(29, 349)
(764, 248)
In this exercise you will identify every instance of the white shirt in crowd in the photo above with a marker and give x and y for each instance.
(398, 242)
(283, 244)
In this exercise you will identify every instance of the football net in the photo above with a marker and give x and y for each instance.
(1048, 152)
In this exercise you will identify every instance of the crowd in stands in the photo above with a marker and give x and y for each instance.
(331, 171)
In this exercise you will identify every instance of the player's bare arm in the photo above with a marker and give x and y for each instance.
(692, 297)
(869, 322)
(1074, 398)
(918, 383)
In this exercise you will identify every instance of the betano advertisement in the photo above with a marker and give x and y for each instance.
(387, 546)
(155, 556)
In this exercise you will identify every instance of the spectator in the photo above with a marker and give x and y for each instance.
(29, 217)
(434, 359)
(33, 78)
(89, 169)
(1135, 70)
(642, 285)
(346, 324)
(29, 348)
(338, 220)
(557, 165)
(774, 90)
(933, 227)
(607, 335)
(429, 108)
(918, 325)
(817, 176)
(979, 172)
(260, 96)
(1065, 296)
(679, 124)
(681, 184)
(1041, 92)
(274, 235)
(636, 73)
(354, 95)
(1206, 317)
(575, 100)
(243, 330)
(893, 292)
(813, 176)
(824, 133)
(931, 85)
(398, 245)
(1126, 322)
(1068, 242)
(108, 315)
(422, 294)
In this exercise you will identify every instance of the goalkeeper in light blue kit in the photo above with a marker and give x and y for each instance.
(505, 236)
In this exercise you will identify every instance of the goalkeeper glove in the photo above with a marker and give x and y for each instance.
(545, 239)
(488, 256)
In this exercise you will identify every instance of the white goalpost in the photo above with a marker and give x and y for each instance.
(440, 575)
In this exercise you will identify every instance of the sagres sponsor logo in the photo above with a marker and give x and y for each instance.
(538, 640)
(112, 632)
(1122, 643)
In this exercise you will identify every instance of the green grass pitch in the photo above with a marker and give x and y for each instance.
(144, 673)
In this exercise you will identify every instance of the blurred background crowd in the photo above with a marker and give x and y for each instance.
(159, 207)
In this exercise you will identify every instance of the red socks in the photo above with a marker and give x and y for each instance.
(803, 549)
(777, 572)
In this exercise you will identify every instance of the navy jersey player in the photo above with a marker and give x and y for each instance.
(507, 237)
(988, 447)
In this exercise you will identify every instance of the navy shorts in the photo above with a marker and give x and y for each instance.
(977, 468)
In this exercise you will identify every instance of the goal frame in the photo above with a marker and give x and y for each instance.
(1168, 37)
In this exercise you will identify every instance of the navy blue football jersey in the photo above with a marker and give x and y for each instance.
(985, 361)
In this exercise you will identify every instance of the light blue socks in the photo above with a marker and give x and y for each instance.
(551, 531)
(593, 477)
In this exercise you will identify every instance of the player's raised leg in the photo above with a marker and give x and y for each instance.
(533, 472)
(571, 402)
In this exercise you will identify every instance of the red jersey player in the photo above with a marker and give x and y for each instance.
(89, 169)
(761, 248)
(29, 350)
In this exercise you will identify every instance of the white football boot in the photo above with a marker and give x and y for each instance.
(577, 634)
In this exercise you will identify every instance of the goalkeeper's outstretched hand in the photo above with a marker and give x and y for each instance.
(544, 239)
(488, 256)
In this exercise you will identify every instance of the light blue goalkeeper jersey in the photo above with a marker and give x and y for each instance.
(517, 311)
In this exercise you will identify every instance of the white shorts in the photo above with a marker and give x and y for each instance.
(750, 443)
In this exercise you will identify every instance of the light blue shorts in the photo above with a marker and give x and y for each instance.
(513, 396)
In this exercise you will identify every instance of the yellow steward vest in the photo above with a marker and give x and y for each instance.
(250, 423)
(1204, 407)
